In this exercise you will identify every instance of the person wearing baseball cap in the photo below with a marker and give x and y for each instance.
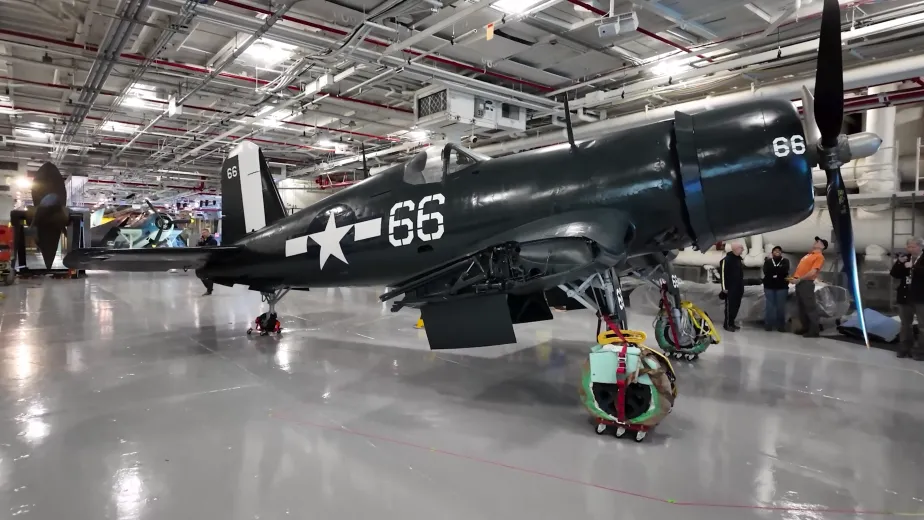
(804, 278)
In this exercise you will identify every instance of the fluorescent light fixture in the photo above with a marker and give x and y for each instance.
(269, 52)
(23, 182)
(417, 135)
(327, 143)
(514, 6)
(669, 69)
(122, 128)
(136, 95)
(31, 134)
(38, 125)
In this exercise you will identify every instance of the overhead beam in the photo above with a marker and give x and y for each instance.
(438, 26)
(674, 17)
(782, 17)
(763, 15)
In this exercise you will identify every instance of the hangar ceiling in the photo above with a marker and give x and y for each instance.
(146, 96)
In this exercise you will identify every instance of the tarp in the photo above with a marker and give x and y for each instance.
(879, 327)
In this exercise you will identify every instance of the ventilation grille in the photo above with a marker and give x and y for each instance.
(432, 104)
(9, 166)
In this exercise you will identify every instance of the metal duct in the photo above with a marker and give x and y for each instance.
(877, 74)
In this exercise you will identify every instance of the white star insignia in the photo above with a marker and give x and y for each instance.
(329, 240)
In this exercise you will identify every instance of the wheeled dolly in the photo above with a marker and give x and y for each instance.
(266, 323)
(620, 429)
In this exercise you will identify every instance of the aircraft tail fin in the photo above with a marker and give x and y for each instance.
(249, 198)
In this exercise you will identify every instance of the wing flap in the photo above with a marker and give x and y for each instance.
(144, 260)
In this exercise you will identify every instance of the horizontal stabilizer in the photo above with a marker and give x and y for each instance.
(145, 260)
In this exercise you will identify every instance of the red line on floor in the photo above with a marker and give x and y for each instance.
(520, 469)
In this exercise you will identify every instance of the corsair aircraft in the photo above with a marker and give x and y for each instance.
(480, 244)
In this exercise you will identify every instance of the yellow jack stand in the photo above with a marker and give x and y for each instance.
(420, 324)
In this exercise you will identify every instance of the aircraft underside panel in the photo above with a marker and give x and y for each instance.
(468, 323)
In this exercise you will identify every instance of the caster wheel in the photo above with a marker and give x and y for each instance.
(640, 436)
(601, 429)
(695, 357)
(689, 357)
(264, 333)
(620, 432)
(249, 332)
(678, 355)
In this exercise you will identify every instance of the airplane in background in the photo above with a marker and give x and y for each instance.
(135, 228)
(480, 244)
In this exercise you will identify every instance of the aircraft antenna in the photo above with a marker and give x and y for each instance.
(568, 125)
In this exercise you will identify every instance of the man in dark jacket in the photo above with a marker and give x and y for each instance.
(731, 271)
(909, 270)
(207, 239)
(776, 289)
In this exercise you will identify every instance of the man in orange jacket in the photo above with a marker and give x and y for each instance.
(806, 273)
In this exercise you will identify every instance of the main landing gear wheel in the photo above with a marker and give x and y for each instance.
(268, 321)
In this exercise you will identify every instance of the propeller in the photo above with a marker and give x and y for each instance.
(829, 117)
(162, 221)
(49, 197)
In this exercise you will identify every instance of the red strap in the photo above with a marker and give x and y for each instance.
(670, 319)
(621, 384)
(620, 370)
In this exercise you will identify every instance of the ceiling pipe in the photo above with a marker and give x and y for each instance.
(640, 30)
(879, 73)
(204, 109)
(371, 57)
(737, 63)
(108, 52)
(380, 43)
(190, 68)
(269, 22)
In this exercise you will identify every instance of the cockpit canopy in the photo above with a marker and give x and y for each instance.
(426, 168)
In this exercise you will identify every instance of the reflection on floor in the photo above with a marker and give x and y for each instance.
(130, 396)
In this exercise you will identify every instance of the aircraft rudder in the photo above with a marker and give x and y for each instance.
(249, 198)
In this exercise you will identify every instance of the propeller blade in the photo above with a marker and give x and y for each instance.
(812, 133)
(829, 76)
(829, 116)
(839, 209)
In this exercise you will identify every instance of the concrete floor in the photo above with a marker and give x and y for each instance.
(130, 396)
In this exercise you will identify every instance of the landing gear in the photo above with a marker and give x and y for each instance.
(268, 322)
(626, 386)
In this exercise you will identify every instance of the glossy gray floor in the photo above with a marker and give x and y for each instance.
(130, 396)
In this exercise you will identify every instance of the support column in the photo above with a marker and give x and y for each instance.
(880, 171)
(75, 186)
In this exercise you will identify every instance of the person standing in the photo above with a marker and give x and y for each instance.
(909, 270)
(206, 239)
(804, 278)
(776, 289)
(731, 273)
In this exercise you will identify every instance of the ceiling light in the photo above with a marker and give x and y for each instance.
(326, 143)
(269, 52)
(514, 6)
(31, 134)
(35, 124)
(23, 182)
(122, 128)
(417, 135)
(669, 69)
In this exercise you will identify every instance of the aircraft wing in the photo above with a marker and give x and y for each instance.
(152, 259)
